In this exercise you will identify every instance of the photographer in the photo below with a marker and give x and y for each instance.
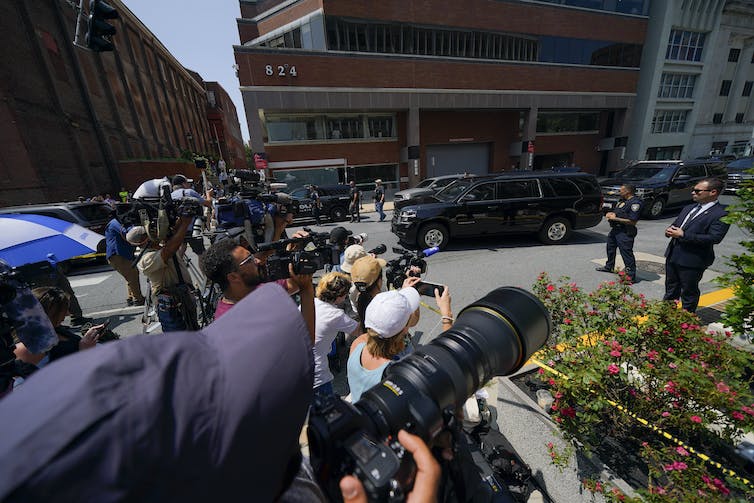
(238, 273)
(182, 189)
(176, 307)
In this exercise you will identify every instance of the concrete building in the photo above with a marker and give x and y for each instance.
(404, 89)
(73, 122)
(695, 88)
(225, 129)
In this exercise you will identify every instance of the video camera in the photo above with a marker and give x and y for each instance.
(158, 214)
(493, 336)
(316, 253)
(398, 269)
(252, 206)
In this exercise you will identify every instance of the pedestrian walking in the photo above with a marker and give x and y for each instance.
(623, 231)
(353, 207)
(120, 255)
(692, 236)
(379, 198)
(223, 177)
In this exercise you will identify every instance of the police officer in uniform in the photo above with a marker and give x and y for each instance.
(623, 231)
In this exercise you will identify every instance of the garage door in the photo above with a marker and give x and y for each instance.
(471, 158)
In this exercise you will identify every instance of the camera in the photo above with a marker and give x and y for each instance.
(398, 269)
(356, 239)
(317, 253)
(491, 337)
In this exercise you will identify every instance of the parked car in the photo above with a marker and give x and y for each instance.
(92, 215)
(548, 204)
(739, 171)
(426, 187)
(661, 184)
(333, 198)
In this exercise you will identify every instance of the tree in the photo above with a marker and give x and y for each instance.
(739, 312)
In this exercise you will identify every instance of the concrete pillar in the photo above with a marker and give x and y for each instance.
(529, 133)
(414, 147)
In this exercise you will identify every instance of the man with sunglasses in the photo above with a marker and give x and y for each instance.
(238, 272)
(692, 236)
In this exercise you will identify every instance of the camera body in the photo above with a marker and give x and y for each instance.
(317, 253)
(493, 336)
(398, 269)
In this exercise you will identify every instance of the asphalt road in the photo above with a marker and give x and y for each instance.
(471, 268)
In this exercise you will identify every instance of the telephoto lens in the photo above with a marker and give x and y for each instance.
(493, 336)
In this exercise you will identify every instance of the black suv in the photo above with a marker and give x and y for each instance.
(334, 199)
(545, 203)
(661, 184)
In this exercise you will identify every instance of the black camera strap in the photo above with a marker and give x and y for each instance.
(178, 270)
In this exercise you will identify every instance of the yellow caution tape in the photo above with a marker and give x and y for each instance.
(656, 429)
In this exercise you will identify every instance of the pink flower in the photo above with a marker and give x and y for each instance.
(677, 465)
(657, 490)
(540, 371)
(748, 410)
(719, 484)
(550, 445)
(652, 355)
(550, 288)
(680, 450)
(722, 387)
(613, 369)
(696, 419)
(671, 350)
(621, 330)
(737, 415)
(665, 414)
(567, 321)
(672, 365)
(684, 326)
(615, 353)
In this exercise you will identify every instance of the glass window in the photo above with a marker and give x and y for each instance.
(294, 129)
(345, 127)
(296, 178)
(364, 176)
(747, 88)
(739, 118)
(669, 121)
(518, 189)
(685, 45)
(733, 55)
(717, 119)
(380, 127)
(483, 192)
(563, 187)
(567, 122)
(725, 88)
(676, 85)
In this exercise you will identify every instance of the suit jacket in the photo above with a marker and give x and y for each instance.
(694, 249)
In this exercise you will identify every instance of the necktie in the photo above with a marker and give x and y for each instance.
(691, 216)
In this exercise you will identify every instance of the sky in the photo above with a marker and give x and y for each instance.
(200, 35)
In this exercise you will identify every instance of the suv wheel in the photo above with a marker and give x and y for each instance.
(656, 208)
(554, 231)
(433, 235)
(338, 214)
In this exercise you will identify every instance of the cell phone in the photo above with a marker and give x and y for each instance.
(428, 289)
(106, 324)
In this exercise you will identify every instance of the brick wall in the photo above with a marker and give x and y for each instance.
(134, 173)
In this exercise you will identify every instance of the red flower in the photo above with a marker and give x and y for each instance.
(652, 355)
(615, 353)
(568, 412)
(722, 387)
(737, 415)
(540, 371)
(613, 369)
(696, 419)
(550, 288)
(567, 321)
(621, 330)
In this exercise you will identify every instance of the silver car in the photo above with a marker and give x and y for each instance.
(426, 187)
(739, 171)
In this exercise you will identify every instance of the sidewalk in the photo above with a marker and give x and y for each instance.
(369, 207)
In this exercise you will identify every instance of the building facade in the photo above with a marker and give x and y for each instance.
(695, 88)
(403, 89)
(69, 117)
(225, 129)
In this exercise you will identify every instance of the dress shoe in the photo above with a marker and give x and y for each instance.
(603, 269)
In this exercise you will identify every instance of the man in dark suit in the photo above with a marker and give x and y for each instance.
(689, 253)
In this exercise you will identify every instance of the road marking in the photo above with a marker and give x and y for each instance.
(89, 280)
(716, 297)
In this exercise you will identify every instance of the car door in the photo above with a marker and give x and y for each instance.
(304, 203)
(683, 181)
(520, 208)
(477, 210)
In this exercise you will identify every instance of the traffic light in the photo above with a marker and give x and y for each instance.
(99, 30)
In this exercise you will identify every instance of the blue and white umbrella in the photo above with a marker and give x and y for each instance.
(26, 239)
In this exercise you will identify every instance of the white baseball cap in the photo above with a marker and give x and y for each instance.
(351, 255)
(389, 312)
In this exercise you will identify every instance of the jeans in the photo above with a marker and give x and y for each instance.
(171, 314)
(378, 206)
(324, 390)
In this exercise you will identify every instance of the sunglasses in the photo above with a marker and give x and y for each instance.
(246, 260)
(696, 191)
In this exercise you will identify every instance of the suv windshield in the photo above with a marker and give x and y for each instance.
(741, 164)
(654, 172)
(93, 213)
(454, 190)
(425, 183)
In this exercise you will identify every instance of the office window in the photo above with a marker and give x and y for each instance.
(294, 128)
(733, 55)
(664, 153)
(345, 127)
(685, 45)
(669, 121)
(676, 85)
(717, 119)
(739, 147)
(747, 88)
(739, 118)
(725, 88)
(380, 127)
(568, 122)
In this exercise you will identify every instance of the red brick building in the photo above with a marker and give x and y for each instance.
(404, 89)
(224, 127)
(69, 117)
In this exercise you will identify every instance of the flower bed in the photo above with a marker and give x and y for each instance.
(641, 379)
